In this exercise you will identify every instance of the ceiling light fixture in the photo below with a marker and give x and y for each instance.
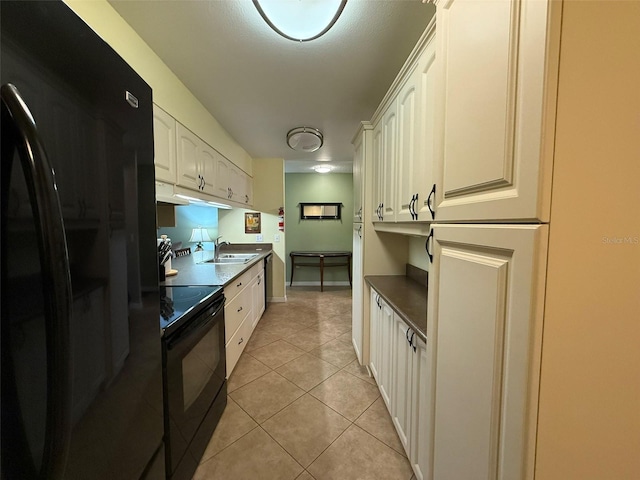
(300, 20)
(305, 139)
(322, 168)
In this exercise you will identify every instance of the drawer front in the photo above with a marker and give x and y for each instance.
(235, 312)
(235, 287)
(236, 344)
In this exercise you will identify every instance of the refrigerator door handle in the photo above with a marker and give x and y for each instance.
(22, 135)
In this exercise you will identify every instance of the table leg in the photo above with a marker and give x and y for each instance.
(293, 268)
(349, 271)
(321, 273)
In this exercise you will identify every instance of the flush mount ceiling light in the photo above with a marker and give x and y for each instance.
(300, 20)
(322, 168)
(305, 139)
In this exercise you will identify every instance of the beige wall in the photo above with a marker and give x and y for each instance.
(589, 411)
(268, 197)
(168, 91)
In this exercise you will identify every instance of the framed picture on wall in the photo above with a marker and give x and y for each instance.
(252, 222)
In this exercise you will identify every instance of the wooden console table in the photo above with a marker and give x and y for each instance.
(321, 255)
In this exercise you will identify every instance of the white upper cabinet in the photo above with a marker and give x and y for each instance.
(207, 161)
(377, 177)
(202, 168)
(496, 90)
(164, 144)
(187, 157)
(361, 146)
(403, 135)
(416, 116)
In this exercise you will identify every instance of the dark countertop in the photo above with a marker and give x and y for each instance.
(192, 270)
(406, 297)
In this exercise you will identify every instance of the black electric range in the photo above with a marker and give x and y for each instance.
(178, 304)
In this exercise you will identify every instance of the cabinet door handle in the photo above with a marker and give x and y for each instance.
(239, 285)
(241, 340)
(378, 301)
(240, 309)
(411, 342)
(406, 335)
(360, 231)
(426, 246)
(382, 211)
(432, 194)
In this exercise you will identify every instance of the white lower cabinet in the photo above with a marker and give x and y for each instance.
(258, 300)
(244, 305)
(399, 363)
(420, 412)
(359, 331)
(485, 317)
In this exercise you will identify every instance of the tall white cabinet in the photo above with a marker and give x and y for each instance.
(485, 310)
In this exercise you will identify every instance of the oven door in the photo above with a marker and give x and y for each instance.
(194, 374)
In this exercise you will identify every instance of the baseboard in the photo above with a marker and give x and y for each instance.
(277, 299)
(317, 284)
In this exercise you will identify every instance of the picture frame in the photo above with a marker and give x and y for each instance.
(252, 222)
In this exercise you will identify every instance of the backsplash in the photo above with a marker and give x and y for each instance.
(189, 217)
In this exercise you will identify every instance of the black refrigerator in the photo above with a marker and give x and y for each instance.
(81, 391)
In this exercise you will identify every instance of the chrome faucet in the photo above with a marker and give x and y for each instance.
(216, 247)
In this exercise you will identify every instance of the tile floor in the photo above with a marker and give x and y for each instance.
(300, 406)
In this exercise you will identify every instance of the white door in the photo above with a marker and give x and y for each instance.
(408, 151)
(378, 173)
(358, 177)
(496, 93)
(221, 178)
(386, 346)
(375, 314)
(164, 145)
(401, 380)
(485, 316)
(358, 331)
(207, 161)
(388, 163)
(187, 158)
(423, 165)
(420, 411)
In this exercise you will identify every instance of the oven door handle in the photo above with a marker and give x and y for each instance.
(200, 323)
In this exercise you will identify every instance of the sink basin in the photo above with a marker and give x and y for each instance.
(229, 261)
(233, 258)
(247, 256)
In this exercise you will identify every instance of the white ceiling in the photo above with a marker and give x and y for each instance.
(259, 85)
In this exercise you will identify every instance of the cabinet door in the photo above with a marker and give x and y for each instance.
(422, 167)
(248, 190)
(187, 158)
(164, 144)
(375, 311)
(358, 331)
(485, 312)
(221, 178)
(388, 163)
(401, 380)
(207, 162)
(358, 177)
(496, 114)
(235, 184)
(386, 346)
(257, 293)
(376, 183)
(408, 151)
(419, 454)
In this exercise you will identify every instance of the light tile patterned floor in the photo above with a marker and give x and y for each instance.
(300, 406)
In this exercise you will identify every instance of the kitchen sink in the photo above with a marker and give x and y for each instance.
(233, 258)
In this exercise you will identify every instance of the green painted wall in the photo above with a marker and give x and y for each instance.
(313, 235)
